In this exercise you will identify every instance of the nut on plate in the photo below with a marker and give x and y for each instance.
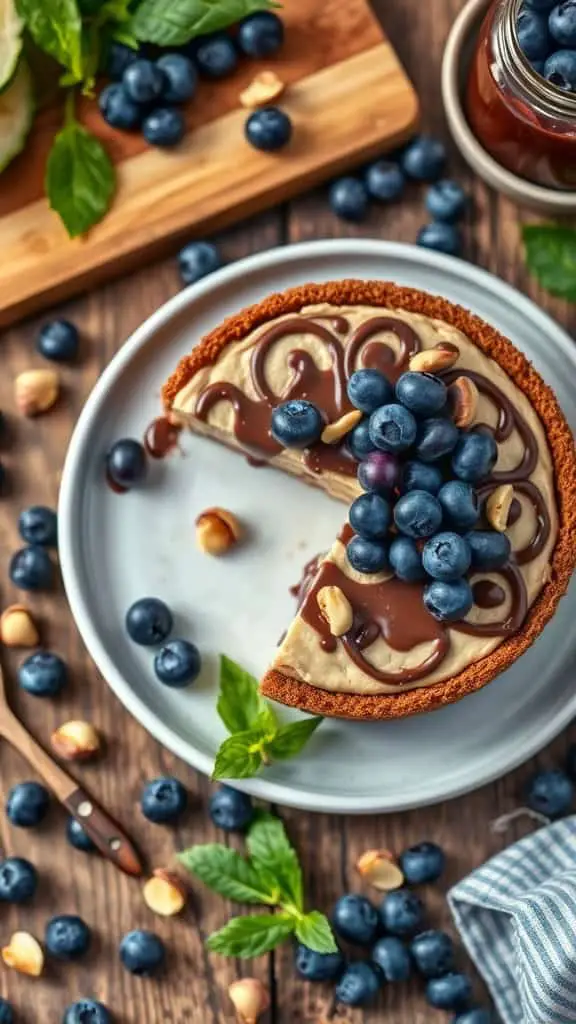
(24, 953)
(17, 627)
(336, 609)
(463, 399)
(498, 507)
(217, 530)
(164, 893)
(36, 391)
(380, 870)
(334, 432)
(264, 87)
(433, 360)
(250, 998)
(76, 741)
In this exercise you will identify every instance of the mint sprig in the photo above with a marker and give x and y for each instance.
(175, 22)
(270, 875)
(551, 257)
(257, 737)
(80, 178)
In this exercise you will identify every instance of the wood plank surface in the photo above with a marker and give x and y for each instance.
(193, 988)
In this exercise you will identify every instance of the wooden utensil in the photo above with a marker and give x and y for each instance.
(102, 829)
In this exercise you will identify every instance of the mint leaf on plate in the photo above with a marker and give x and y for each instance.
(251, 936)
(314, 931)
(80, 178)
(290, 739)
(551, 257)
(56, 27)
(175, 22)
(240, 756)
(226, 872)
(274, 857)
(239, 702)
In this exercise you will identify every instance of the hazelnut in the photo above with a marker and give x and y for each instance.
(336, 609)
(250, 998)
(433, 360)
(75, 741)
(24, 954)
(17, 627)
(36, 391)
(336, 431)
(463, 399)
(264, 87)
(380, 870)
(217, 530)
(498, 507)
(164, 893)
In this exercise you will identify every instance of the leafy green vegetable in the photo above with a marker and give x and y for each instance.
(80, 178)
(56, 28)
(314, 931)
(224, 871)
(273, 854)
(551, 257)
(239, 702)
(239, 757)
(175, 22)
(291, 738)
(251, 936)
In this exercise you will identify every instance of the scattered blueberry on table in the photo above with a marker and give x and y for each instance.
(18, 880)
(440, 237)
(268, 129)
(198, 259)
(355, 919)
(67, 937)
(164, 127)
(163, 800)
(422, 863)
(230, 809)
(31, 568)
(385, 181)
(43, 674)
(424, 159)
(401, 912)
(446, 201)
(177, 663)
(27, 804)
(216, 56)
(393, 959)
(550, 793)
(6, 1012)
(149, 621)
(78, 837)
(312, 966)
(58, 340)
(260, 34)
(359, 984)
(349, 198)
(39, 525)
(296, 424)
(87, 1011)
(432, 953)
(142, 953)
(126, 463)
(450, 992)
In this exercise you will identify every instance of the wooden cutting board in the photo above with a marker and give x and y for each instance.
(347, 95)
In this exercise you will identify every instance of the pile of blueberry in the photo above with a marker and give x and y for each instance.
(547, 37)
(31, 568)
(419, 511)
(147, 94)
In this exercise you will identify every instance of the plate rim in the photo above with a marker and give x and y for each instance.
(281, 793)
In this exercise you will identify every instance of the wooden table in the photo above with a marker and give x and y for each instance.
(193, 988)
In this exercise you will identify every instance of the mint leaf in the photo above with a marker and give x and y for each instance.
(551, 257)
(175, 22)
(56, 28)
(80, 178)
(251, 936)
(275, 858)
(314, 931)
(290, 739)
(239, 702)
(224, 871)
(239, 757)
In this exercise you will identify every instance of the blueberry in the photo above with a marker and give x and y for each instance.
(406, 560)
(367, 555)
(6, 1012)
(393, 959)
(197, 260)
(540, 5)
(142, 953)
(533, 34)
(230, 809)
(38, 525)
(78, 837)
(379, 472)
(401, 912)
(178, 663)
(349, 198)
(181, 77)
(143, 81)
(87, 1011)
(450, 601)
(296, 424)
(149, 621)
(418, 514)
(459, 505)
(440, 237)
(27, 804)
(260, 34)
(422, 393)
(58, 340)
(433, 954)
(538, 66)
(419, 476)
(359, 985)
(392, 428)
(163, 800)
(355, 919)
(164, 127)
(216, 56)
(550, 793)
(424, 158)
(126, 463)
(67, 937)
(451, 992)
(31, 568)
(118, 110)
(43, 674)
(370, 516)
(560, 69)
(368, 390)
(18, 880)
(436, 437)
(384, 181)
(422, 863)
(571, 761)
(562, 24)
(268, 129)
(120, 57)
(474, 456)
(358, 440)
(446, 201)
(490, 549)
(478, 1015)
(446, 556)
(314, 966)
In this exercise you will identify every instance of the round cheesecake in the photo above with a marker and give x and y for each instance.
(393, 658)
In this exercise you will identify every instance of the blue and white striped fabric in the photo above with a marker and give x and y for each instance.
(517, 918)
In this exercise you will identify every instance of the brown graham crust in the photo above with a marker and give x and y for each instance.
(289, 690)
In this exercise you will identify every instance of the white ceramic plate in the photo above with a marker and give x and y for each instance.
(114, 549)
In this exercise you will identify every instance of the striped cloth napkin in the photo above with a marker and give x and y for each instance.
(517, 918)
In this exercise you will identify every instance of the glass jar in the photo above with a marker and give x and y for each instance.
(524, 122)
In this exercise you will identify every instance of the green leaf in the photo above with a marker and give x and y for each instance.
(291, 738)
(251, 936)
(80, 178)
(175, 22)
(551, 257)
(275, 858)
(239, 756)
(56, 27)
(239, 702)
(314, 931)
(224, 871)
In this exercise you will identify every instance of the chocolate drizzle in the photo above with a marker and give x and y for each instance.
(488, 594)
(161, 437)
(382, 356)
